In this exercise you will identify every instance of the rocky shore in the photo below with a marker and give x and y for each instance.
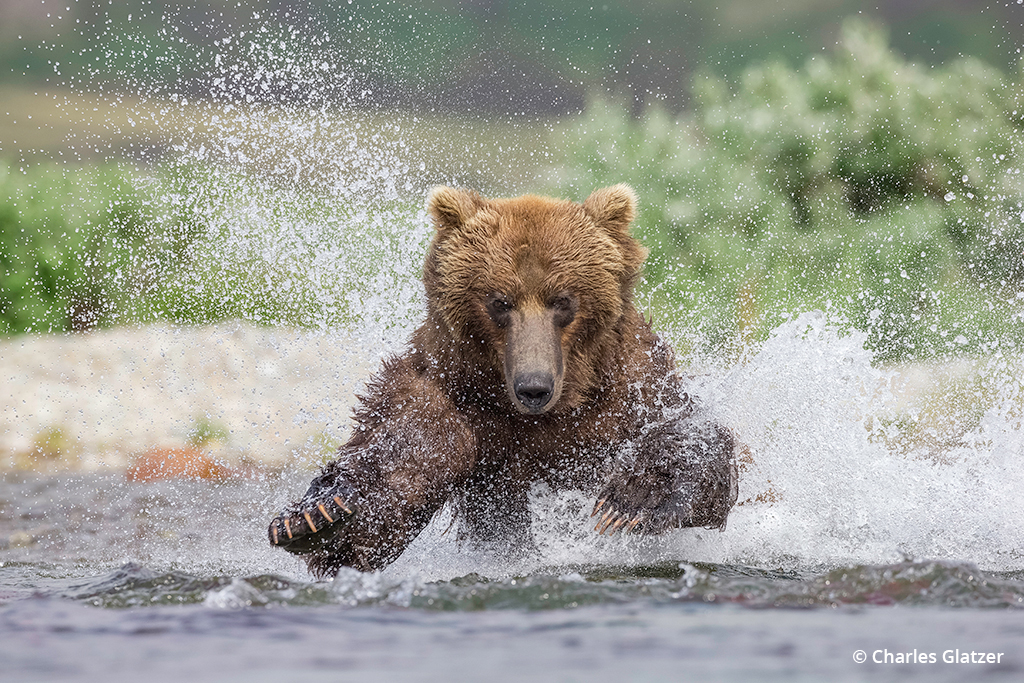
(251, 396)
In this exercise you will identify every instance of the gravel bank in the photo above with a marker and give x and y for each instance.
(281, 397)
(89, 401)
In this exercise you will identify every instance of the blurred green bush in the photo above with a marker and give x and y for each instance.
(886, 192)
(81, 247)
(194, 243)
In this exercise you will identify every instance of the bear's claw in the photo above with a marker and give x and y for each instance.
(303, 528)
(613, 520)
(684, 476)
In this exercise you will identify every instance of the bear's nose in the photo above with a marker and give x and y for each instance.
(534, 390)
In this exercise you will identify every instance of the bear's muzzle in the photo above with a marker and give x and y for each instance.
(533, 361)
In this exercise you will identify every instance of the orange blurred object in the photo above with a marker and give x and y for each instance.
(174, 463)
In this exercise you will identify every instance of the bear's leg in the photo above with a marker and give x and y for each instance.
(410, 451)
(682, 474)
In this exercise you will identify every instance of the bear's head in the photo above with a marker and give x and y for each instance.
(534, 287)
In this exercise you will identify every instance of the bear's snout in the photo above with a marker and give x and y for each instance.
(533, 361)
(534, 389)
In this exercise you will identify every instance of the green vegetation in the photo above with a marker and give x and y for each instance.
(80, 247)
(206, 431)
(883, 191)
(97, 246)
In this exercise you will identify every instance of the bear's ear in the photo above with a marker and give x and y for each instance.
(612, 207)
(452, 208)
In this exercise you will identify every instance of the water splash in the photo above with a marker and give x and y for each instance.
(814, 410)
(827, 480)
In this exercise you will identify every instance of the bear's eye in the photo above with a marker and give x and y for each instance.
(498, 307)
(565, 307)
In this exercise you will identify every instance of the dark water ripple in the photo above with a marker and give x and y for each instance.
(910, 583)
(95, 540)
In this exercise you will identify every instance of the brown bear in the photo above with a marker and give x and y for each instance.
(533, 365)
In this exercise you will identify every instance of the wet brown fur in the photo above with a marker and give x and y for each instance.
(441, 423)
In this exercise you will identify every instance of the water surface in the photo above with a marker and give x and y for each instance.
(102, 579)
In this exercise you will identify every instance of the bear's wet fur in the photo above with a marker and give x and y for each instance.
(533, 365)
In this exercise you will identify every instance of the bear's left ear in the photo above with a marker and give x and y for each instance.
(612, 207)
(452, 208)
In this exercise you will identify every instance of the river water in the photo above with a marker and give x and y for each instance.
(105, 580)
(847, 544)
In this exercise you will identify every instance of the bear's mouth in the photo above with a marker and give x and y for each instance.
(533, 361)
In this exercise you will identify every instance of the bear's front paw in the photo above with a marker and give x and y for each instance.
(685, 476)
(309, 524)
(645, 502)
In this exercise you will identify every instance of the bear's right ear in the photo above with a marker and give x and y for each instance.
(451, 209)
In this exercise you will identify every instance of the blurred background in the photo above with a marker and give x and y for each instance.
(228, 197)
(191, 162)
(482, 57)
